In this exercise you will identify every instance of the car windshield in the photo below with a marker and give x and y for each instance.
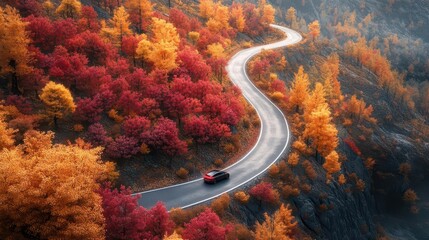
(212, 173)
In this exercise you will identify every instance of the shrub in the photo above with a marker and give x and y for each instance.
(300, 146)
(274, 170)
(306, 187)
(309, 170)
(220, 204)
(229, 148)
(352, 145)
(239, 232)
(78, 128)
(347, 122)
(97, 136)
(369, 163)
(136, 126)
(360, 185)
(410, 196)
(241, 197)
(405, 169)
(342, 179)
(293, 159)
(277, 96)
(182, 173)
(288, 190)
(218, 162)
(113, 114)
(144, 149)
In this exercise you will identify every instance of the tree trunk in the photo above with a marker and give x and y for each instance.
(55, 122)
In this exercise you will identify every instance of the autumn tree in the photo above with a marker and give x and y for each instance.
(280, 226)
(314, 100)
(332, 163)
(320, 131)
(63, 184)
(120, 26)
(267, 12)
(206, 226)
(219, 20)
(161, 49)
(6, 135)
(217, 59)
(58, 101)
(206, 8)
(330, 71)
(299, 91)
(69, 8)
(314, 29)
(140, 12)
(237, 19)
(125, 219)
(291, 16)
(14, 40)
(264, 192)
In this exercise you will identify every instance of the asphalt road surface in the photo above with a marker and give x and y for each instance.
(271, 145)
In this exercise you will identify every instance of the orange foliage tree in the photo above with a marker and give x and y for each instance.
(314, 29)
(321, 132)
(278, 227)
(14, 40)
(51, 193)
(299, 91)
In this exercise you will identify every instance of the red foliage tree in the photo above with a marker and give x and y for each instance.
(181, 21)
(135, 126)
(206, 226)
(97, 135)
(66, 67)
(123, 147)
(41, 31)
(91, 78)
(129, 102)
(165, 137)
(352, 145)
(92, 46)
(203, 130)
(259, 67)
(125, 219)
(20, 102)
(129, 46)
(89, 109)
(88, 19)
(193, 64)
(264, 192)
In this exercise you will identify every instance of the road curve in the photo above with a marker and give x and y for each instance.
(272, 142)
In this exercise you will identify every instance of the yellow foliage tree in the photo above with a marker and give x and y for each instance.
(69, 8)
(216, 50)
(332, 165)
(237, 17)
(48, 7)
(316, 99)
(267, 12)
(174, 236)
(299, 91)
(206, 8)
(278, 227)
(119, 26)
(161, 51)
(314, 29)
(144, 10)
(220, 18)
(291, 16)
(320, 131)
(194, 36)
(51, 193)
(14, 40)
(58, 101)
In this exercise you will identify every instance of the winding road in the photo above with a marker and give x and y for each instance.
(272, 142)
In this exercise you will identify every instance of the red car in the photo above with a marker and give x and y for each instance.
(215, 176)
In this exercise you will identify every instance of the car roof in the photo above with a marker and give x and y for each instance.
(213, 172)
